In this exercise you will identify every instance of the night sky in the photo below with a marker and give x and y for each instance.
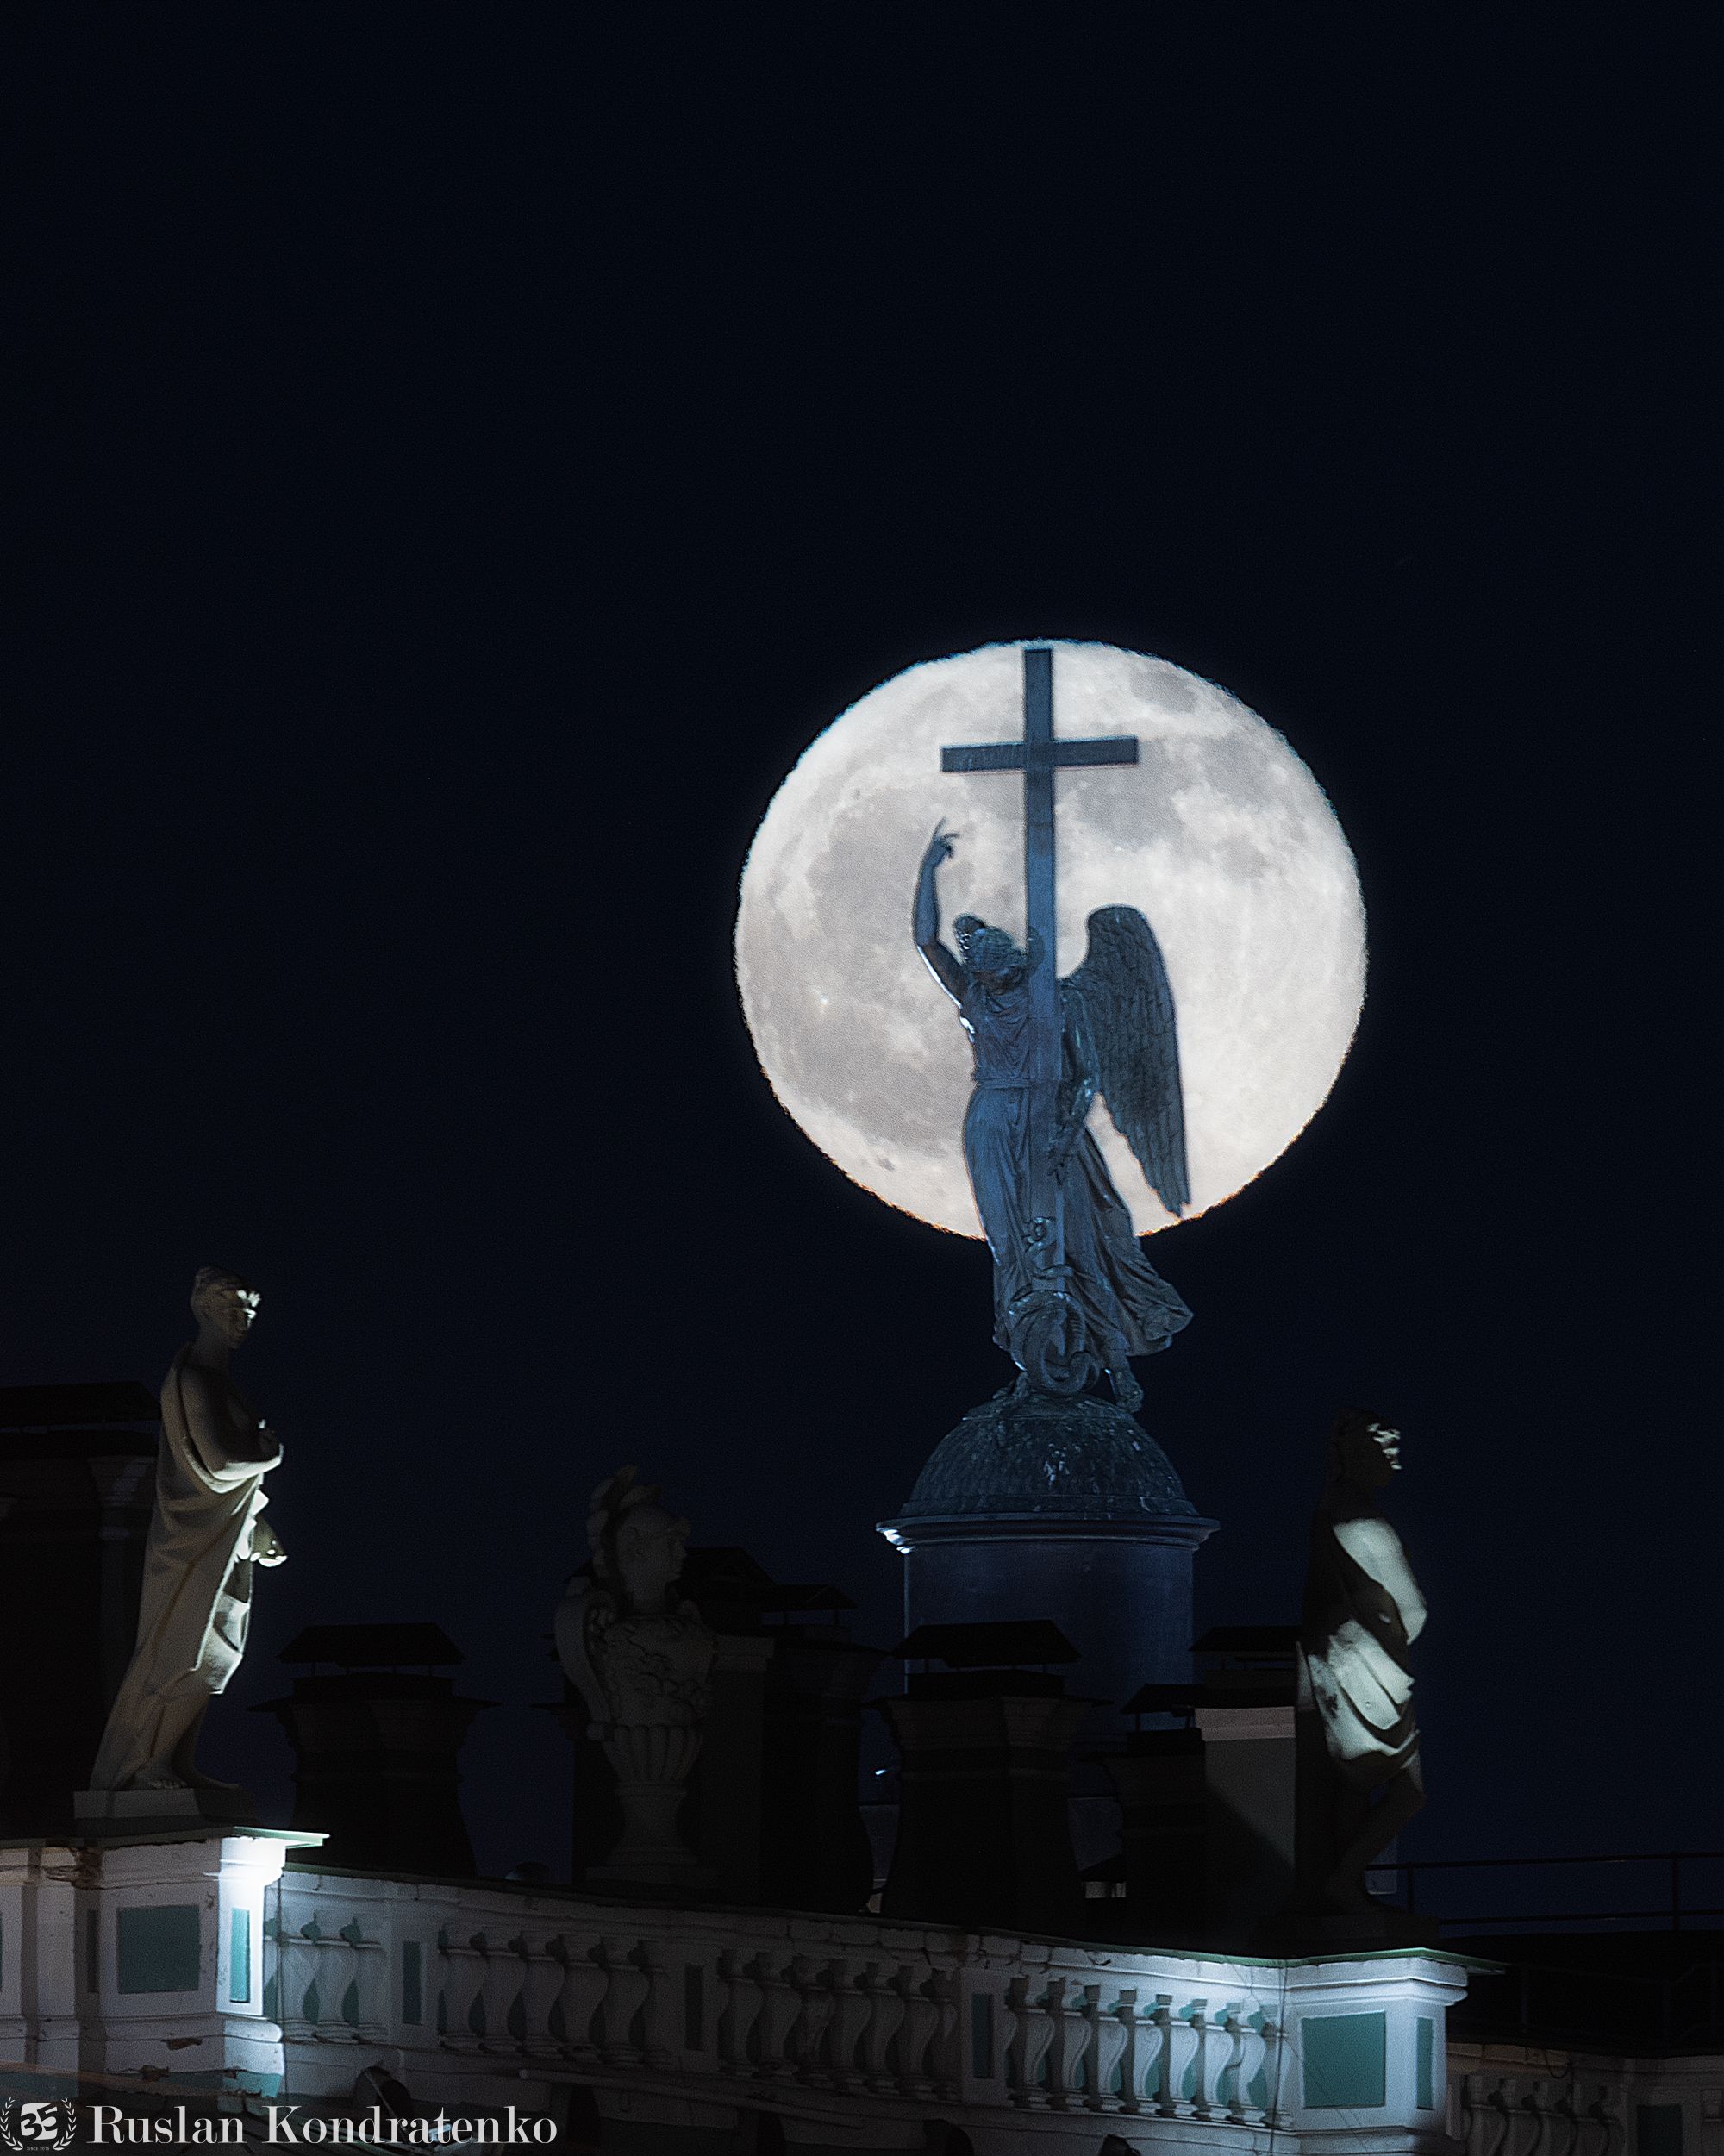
(466, 454)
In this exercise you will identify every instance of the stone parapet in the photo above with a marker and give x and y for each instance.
(850, 2031)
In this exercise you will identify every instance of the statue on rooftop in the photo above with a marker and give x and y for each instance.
(1073, 1291)
(206, 1533)
(1362, 1783)
(640, 1659)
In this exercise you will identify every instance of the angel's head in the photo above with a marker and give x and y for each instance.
(988, 953)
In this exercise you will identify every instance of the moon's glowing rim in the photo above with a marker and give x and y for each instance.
(1194, 729)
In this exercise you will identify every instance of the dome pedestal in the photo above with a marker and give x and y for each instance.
(1035, 1507)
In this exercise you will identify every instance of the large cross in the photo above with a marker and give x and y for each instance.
(1038, 756)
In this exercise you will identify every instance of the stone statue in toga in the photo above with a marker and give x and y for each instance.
(207, 1532)
(1360, 1779)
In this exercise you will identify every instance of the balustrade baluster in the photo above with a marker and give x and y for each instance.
(739, 2012)
(1502, 2118)
(946, 2054)
(338, 1968)
(780, 2009)
(1070, 2042)
(1494, 2140)
(1215, 2048)
(1006, 2026)
(1590, 2135)
(1564, 2125)
(624, 1997)
(1529, 2115)
(1593, 2134)
(1250, 2050)
(661, 2016)
(1180, 2045)
(1130, 2046)
(1463, 2089)
(806, 2047)
(464, 1964)
(885, 2011)
(1107, 2049)
(1081, 2013)
(505, 1977)
(1615, 2130)
(1135, 2039)
(916, 2031)
(1468, 2091)
(1532, 2136)
(371, 1979)
(1278, 2097)
(1030, 2043)
(584, 1986)
(851, 2008)
(297, 1972)
(540, 1988)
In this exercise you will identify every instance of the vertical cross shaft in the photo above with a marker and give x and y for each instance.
(1038, 756)
(1040, 922)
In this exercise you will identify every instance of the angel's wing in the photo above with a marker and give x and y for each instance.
(1128, 1014)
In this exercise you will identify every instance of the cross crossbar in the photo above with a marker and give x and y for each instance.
(1037, 755)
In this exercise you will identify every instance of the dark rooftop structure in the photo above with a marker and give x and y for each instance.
(1034, 1641)
(77, 1466)
(1254, 1642)
(375, 1647)
(80, 1407)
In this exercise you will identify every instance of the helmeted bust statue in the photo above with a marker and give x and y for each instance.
(641, 1662)
(206, 1533)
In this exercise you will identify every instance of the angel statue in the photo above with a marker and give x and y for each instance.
(1073, 1292)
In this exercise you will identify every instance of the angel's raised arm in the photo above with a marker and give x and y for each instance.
(925, 918)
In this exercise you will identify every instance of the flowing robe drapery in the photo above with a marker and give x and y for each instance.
(1126, 1307)
(196, 1605)
(1353, 1651)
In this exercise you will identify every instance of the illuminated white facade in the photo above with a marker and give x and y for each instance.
(204, 1971)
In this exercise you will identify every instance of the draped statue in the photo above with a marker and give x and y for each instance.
(1361, 1780)
(1119, 1039)
(206, 1534)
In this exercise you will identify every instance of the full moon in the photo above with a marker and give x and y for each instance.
(1218, 834)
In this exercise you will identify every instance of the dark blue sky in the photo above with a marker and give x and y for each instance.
(466, 457)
